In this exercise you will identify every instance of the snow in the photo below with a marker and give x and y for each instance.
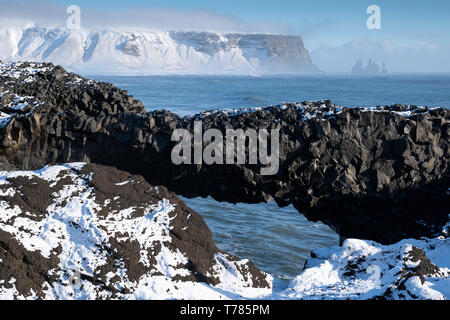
(20, 106)
(408, 112)
(16, 70)
(5, 119)
(377, 268)
(123, 183)
(311, 110)
(121, 51)
(326, 275)
(359, 269)
(73, 225)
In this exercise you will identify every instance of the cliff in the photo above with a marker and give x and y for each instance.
(379, 174)
(158, 52)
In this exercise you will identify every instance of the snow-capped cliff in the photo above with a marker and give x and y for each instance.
(157, 52)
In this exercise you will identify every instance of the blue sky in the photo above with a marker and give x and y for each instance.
(413, 32)
(403, 21)
(318, 21)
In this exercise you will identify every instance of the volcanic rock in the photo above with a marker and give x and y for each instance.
(87, 231)
(371, 173)
(360, 270)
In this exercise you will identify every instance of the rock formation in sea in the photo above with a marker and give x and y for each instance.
(380, 174)
(371, 68)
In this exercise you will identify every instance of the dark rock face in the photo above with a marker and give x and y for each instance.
(379, 174)
(90, 231)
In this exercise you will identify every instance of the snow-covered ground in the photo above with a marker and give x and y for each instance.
(78, 242)
(76, 228)
(409, 269)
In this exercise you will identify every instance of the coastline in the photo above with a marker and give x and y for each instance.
(33, 121)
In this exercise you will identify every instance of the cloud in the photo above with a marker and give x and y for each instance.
(421, 56)
(44, 13)
(416, 57)
(315, 29)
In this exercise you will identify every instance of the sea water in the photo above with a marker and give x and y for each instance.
(278, 240)
(187, 95)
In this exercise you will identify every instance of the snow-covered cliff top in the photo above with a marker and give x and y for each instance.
(157, 52)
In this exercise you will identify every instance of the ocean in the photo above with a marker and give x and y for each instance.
(278, 240)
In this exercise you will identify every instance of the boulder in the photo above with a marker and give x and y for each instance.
(86, 231)
(366, 270)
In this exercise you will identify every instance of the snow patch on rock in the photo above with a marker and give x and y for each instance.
(86, 237)
(409, 269)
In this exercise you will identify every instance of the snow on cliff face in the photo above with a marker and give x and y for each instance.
(157, 52)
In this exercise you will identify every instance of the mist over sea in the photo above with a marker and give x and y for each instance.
(278, 240)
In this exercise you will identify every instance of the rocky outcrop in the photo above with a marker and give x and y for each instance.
(86, 231)
(361, 270)
(379, 174)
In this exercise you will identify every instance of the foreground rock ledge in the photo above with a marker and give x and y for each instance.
(379, 174)
(361, 270)
(79, 231)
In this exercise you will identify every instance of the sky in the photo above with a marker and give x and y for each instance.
(403, 21)
(340, 24)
